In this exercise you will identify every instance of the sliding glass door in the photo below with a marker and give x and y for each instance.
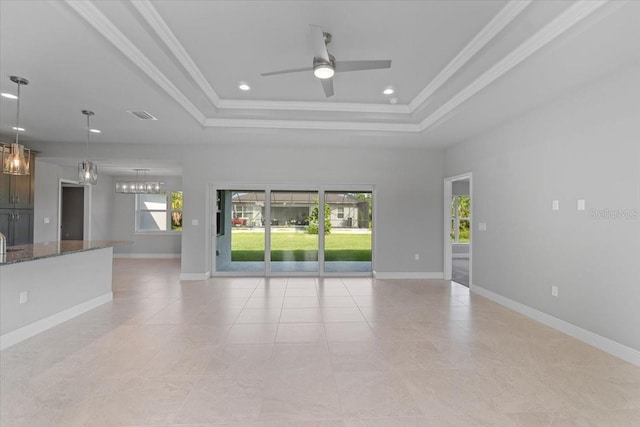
(281, 232)
(240, 236)
(294, 231)
(348, 227)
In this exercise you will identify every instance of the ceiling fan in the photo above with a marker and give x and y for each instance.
(325, 65)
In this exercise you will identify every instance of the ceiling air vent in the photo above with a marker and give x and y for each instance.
(142, 115)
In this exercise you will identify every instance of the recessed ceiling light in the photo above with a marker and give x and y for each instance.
(18, 129)
(244, 86)
(388, 91)
(95, 130)
(8, 95)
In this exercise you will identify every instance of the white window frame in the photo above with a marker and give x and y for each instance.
(168, 211)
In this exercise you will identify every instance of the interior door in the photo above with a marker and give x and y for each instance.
(72, 213)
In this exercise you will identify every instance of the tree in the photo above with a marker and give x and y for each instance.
(313, 219)
(176, 210)
(365, 197)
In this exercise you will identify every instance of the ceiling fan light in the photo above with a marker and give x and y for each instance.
(323, 71)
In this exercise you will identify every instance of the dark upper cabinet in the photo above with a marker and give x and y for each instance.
(16, 206)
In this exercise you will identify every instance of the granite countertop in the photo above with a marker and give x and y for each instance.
(35, 251)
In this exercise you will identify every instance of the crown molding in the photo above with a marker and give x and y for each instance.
(312, 125)
(237, 104)
(570, 17)
(506, 15)
(105, 27)
(162, 30)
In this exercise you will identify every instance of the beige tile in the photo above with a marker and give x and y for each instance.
(333, 292)
(349, 332)
(296, 396)
(342, 314)
(219, 400)
(301, 302)
(303, 315)
(301, 292)
(374, 394)
(240, 360)
(252, 333)
(335, 301)
(301, 357)
(259, 315)
(367, 356)
(265, 302)
(300, 333)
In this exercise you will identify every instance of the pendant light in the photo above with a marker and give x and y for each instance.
(15, 158)
(88, 170)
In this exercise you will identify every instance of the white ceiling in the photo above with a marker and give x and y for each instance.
(459, 67)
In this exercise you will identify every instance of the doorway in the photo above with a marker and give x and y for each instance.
(458, 229)
(74, 203)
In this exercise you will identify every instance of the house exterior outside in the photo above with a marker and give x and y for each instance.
(289, 209)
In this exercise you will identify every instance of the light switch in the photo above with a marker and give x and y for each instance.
(482, 226)
(194, 222)
(46, 220)
(581, 205)
(555, 205)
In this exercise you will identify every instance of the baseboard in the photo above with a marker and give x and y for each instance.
(195, 276)
(405, 275)
(148, 256)
(21, 334)
(605, 344)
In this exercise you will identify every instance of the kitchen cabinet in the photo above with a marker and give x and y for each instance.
(17, 226)
(16, 206)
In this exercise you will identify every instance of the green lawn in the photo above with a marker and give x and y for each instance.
(301, 247)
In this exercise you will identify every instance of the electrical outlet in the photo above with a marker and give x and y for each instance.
(554, 291)
(555, 205)
(24, 297)
(416, 257)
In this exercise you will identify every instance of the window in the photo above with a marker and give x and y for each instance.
(159, 212)
(460, 219)
(340, 212)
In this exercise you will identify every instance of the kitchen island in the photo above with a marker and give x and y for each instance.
(45, 284)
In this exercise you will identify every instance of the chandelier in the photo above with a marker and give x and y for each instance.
(141, 186)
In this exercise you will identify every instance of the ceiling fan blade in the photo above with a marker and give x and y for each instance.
(292, 70)
(317, 40)
(342, 66)
(327, 85)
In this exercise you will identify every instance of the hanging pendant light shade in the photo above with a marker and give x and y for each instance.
(88, 170)
(15, 157)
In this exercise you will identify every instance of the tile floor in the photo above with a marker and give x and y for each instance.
(307, 352)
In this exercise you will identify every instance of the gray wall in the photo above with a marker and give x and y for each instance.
(407, 200)
(123, 224)
(48, 177)
(585, 146)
